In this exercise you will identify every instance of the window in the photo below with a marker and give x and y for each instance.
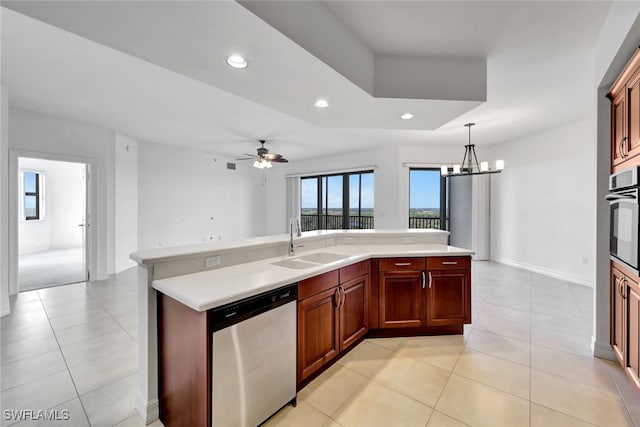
(31, 202)
(335, 202)
(427, 199)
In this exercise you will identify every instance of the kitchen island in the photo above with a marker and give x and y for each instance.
(375, 281)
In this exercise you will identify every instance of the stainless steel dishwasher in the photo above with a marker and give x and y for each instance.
(254, 358)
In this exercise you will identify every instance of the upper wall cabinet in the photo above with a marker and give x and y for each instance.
(625, 116)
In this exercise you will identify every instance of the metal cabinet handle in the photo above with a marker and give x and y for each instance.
(344, 295)
(622, 287)
(430, 280)
(402, 264)
(336, 297)
(449, 262)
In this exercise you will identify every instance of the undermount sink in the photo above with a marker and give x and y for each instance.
(309, 261)
(294, 263)
(323, 257)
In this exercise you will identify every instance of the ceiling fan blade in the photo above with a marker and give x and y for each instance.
(246, 158)
(280, 160)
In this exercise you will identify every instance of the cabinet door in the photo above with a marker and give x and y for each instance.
(354, 310)
(401, 302)
(632, 297)
(633, 114)
(618, 134)
(618, 315)
(448, 297)
(318, 331)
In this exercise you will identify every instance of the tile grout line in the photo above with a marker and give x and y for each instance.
(73, 381)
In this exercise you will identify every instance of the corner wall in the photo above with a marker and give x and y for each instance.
(126, 202)
(542, 209)
(4, 202)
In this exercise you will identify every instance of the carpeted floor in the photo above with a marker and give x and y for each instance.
(51, 268)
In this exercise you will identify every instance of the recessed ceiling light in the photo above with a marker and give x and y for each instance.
(407, 116)
(237, 61)
(322, 103)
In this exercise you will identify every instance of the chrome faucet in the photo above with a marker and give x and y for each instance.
(294, 222)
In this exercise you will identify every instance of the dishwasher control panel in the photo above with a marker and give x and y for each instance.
(230, 314)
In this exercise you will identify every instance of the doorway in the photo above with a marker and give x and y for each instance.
(52, 223)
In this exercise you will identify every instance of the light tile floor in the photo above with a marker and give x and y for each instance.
(525, 361)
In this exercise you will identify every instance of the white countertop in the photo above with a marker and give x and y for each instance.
(209, 289)
(155, 255)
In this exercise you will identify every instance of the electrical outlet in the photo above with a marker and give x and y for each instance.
(585, 260)
(212, 261)
(349, 240)
(407, 240)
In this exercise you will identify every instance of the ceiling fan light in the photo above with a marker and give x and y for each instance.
(456, 169)
(407, 116)
(444, 170)
(256, 164)
(499, 165)
(321, 103)
(268, 165)
(484, 166)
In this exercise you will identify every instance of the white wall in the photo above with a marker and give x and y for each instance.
(126, 201)
(54, 137)
(188, 196)
(542, 209)
(63, 209)
(4, 201)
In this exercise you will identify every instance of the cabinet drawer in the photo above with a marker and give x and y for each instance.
(351, 271)
(317, 284)
(448, 263)
(401, 264)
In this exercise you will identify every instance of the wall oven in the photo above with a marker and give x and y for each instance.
(623, 205)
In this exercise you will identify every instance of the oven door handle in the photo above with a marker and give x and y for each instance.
(620, 196)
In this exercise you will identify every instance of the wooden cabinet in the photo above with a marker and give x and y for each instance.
(618, 314)
(402, 284)
(419, 293)
(633, 113)
(401, 303)
(354, 311)
(619, 147)
(333, 314)
(625, 116)
(625, 320)
(318, 329)
(448, 291)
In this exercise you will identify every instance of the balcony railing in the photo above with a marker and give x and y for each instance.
(334, 222)
(424, 222)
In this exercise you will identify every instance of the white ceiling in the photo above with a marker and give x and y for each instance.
(539, 63)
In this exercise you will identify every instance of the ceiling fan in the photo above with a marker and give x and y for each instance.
(264, 158)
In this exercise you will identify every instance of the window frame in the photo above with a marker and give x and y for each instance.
(444, 200)
(38, 194)
(322, 202)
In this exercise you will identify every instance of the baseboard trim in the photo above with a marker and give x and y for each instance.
(6, 309)
(544, 271)
(148, 411)
(603, 351)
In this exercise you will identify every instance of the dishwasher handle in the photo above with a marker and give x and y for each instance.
(229, 314)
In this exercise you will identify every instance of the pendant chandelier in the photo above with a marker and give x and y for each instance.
(470, 165)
